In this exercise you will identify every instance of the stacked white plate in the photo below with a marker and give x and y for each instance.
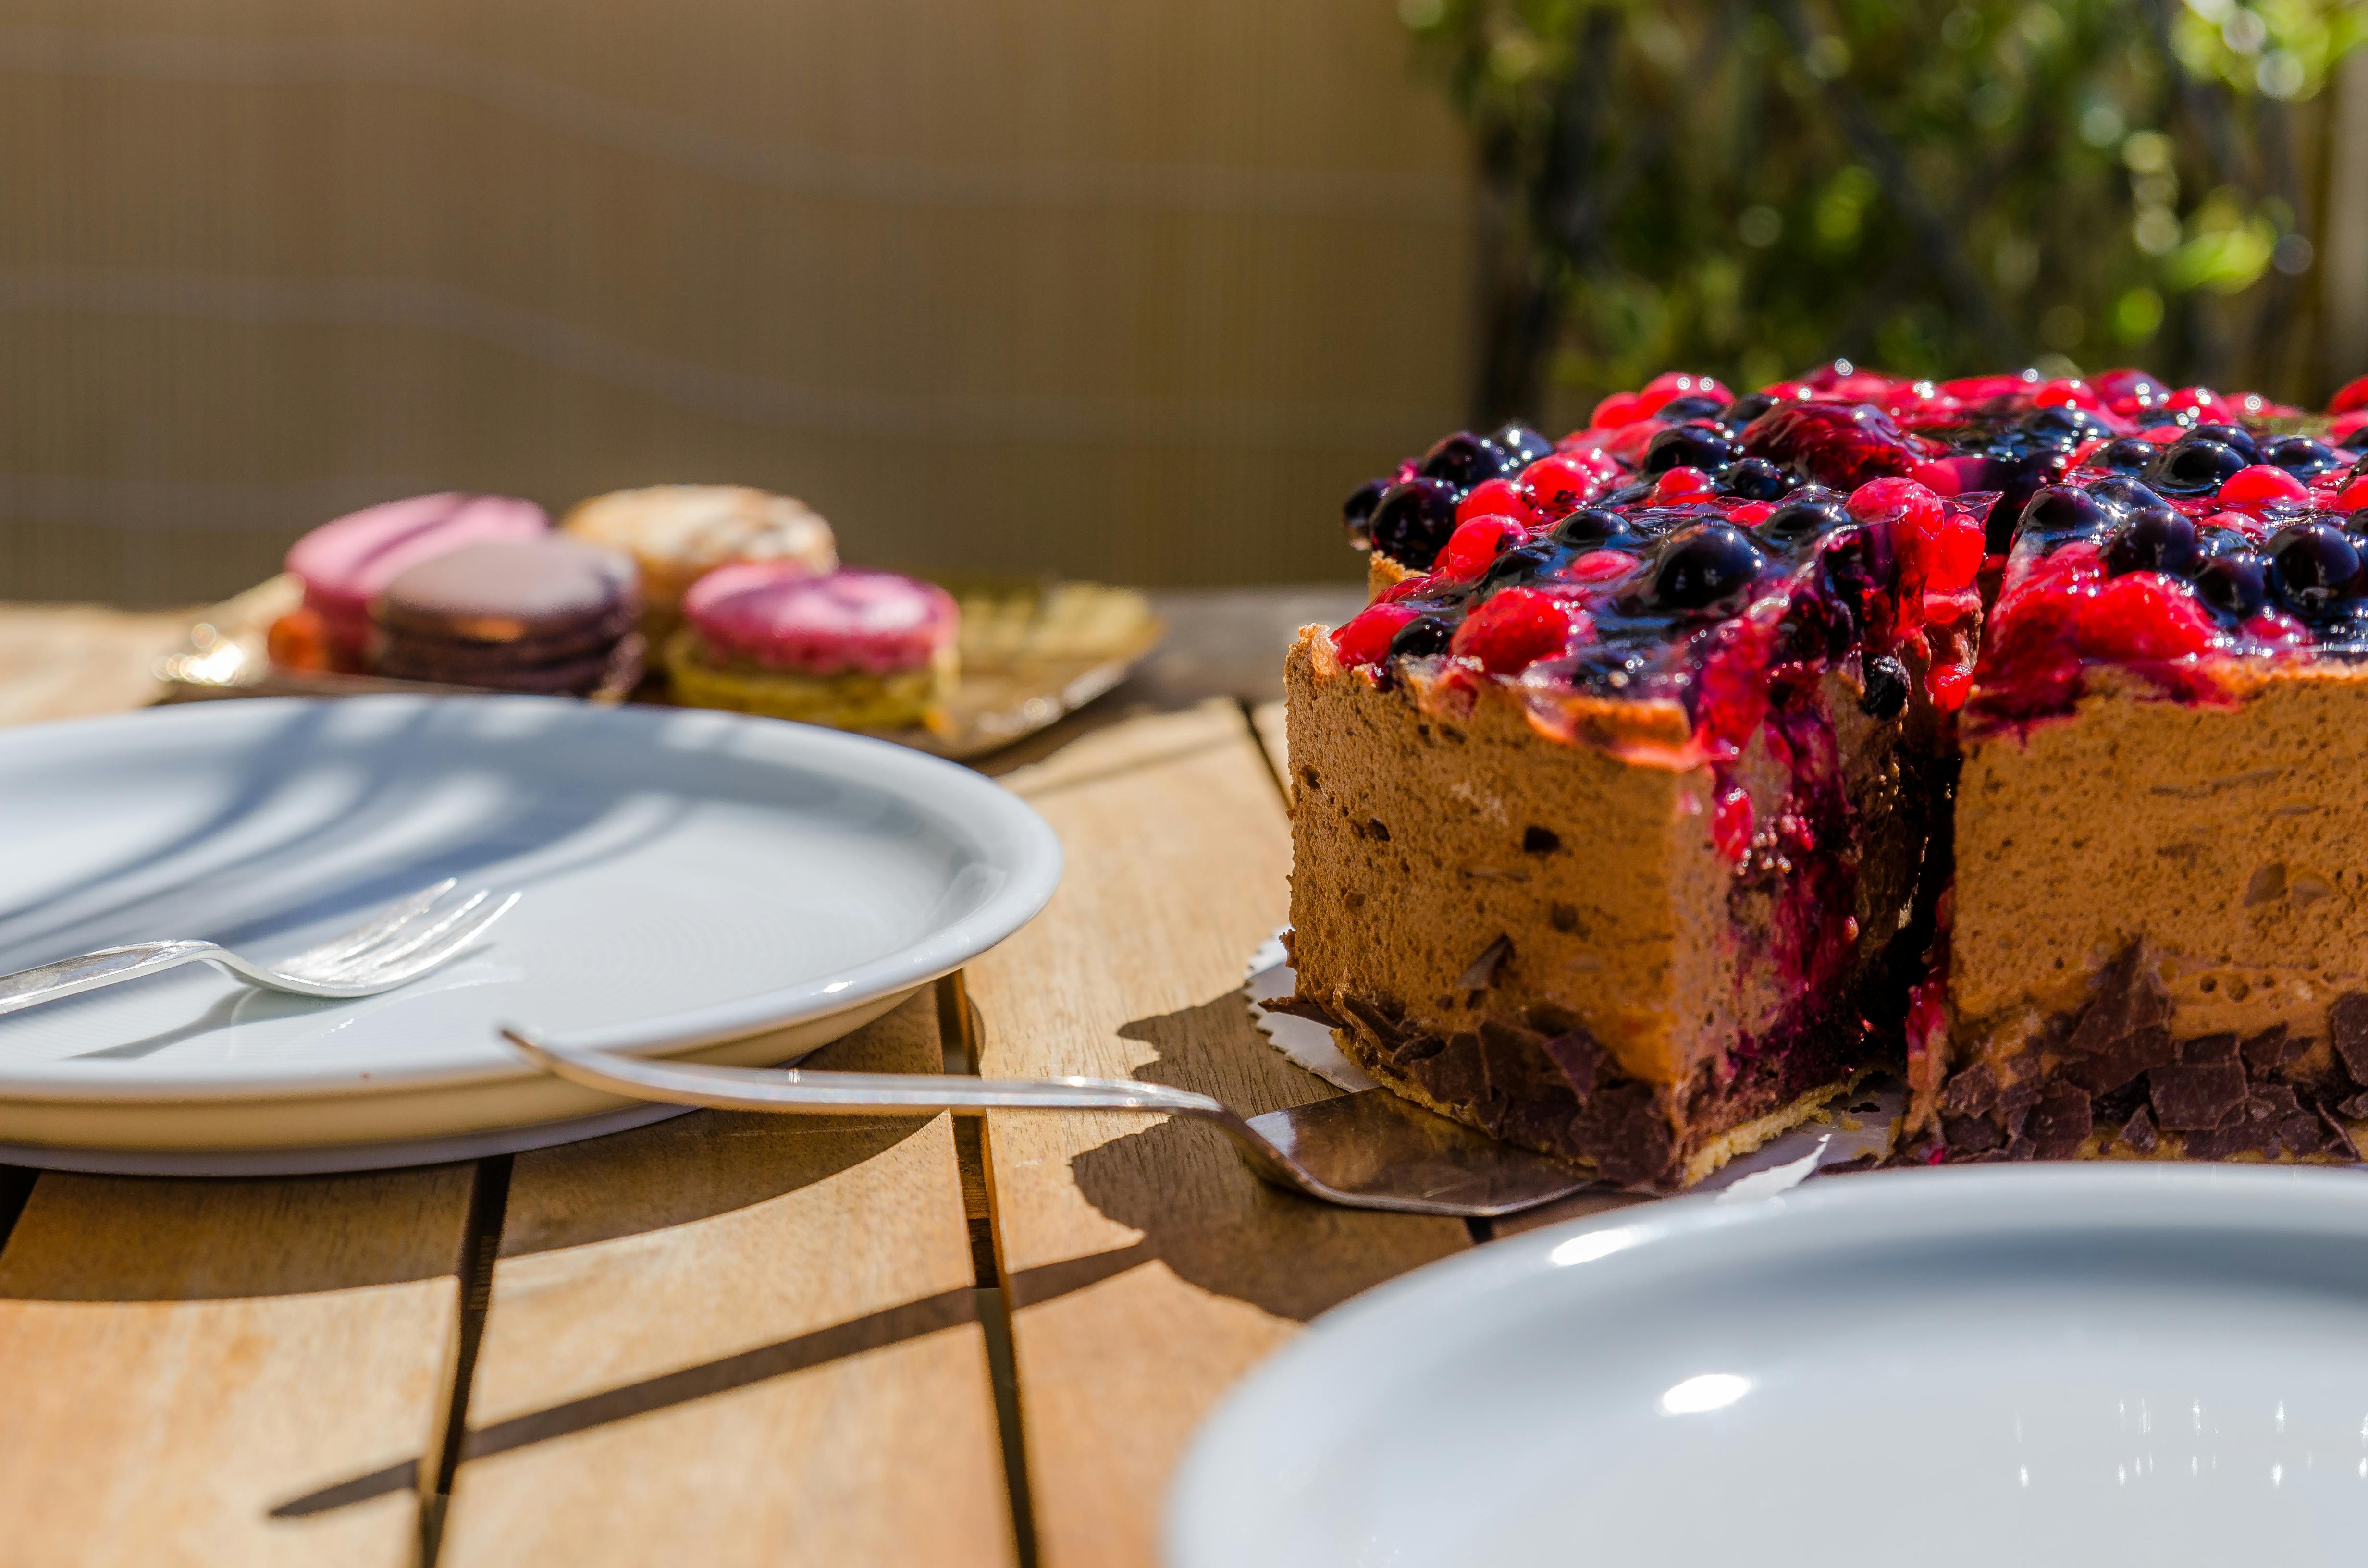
(695, 883)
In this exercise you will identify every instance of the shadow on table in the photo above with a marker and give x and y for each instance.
(1200, 1209)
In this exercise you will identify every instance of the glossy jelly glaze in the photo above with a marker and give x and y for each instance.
(1718, 552)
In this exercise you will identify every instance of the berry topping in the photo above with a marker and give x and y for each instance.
(1462, 460)
(1747, 408)
(1473, 545)
(2155, 539)
(2119, 493)
(1367, 636)
(2144, 616)
(2262, 485)
(1519, 568)
(2194, 467)
(1517, 628)
(1357, 515)
(2234, 436)
(1841, 445)
(1495, 498)
(1704, 447)
(2060, 512)
(1703, 564)
(2314, 568)
(1885, 690)
(1522, 445)
(2128, 455)
(1809, 514)
(2302, 456)
(2236, 586)
(1592, 525)
(1670, 385)
(1683, 485)
(1423, 636)
(1754, 479)
(1412, 521)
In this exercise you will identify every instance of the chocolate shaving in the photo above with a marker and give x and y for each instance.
(2129, 1000)
(1624, 1129)
(2208, 1049)
(1970, 1134)
(1416, 1049)
(1305, 1007)
(2272, 1051)
(2347, 1024)
(1378, 1023)
(1581, 1060)
(1483, 973)
(1454, 1075)
(2356, 1107)
(2022, 1148)
(2302, 1135)
(2119, 1061)
(1971, 1093)
(2060, 1122)
(2139, 1133)
(2340, 1136)
(2196, 1098)
(2271, 1102)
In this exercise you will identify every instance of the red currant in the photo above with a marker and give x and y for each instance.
(1365, 638)
(1474, 544)
(1515, 626)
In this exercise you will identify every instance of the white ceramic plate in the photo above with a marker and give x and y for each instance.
(695, 883)
(2059, 1364)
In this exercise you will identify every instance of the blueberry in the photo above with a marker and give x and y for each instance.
(1357, 515)
(2194, 465)
(1754, 479)
(2234, 585)
(1592, 527)
(1746, 409)
(2062, 427)
(2154, 539)
(1423, 636)
(2119, 493)
(1703, 564)
(1411, 521)
(1519, 443)
(1610, 668)
(2315, 567)
(1697, 406)
(2059, 512)
(2302, 456)
(1517, 567)
(2128, 455)
(2216, 542)
(1462, 460)
(2234, 436)
(1885, 688)
(1705, 447)
(1806, 516)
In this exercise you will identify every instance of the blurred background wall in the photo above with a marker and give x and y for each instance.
(1132, 291)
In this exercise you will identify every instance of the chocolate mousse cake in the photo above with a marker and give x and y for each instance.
(2157, 943)
(1623, 816)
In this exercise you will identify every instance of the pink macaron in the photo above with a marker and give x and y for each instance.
(347, 563)
(776, 614)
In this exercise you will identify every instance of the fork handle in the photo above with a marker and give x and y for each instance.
(89, 971)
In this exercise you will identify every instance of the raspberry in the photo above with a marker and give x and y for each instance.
(1473, 545)
(1495, 498)
(2262, 485)
(1599, 566)
(1560, 484)
(2145, 616)
(2352, 395)
(1681, 485)
(1670, 385)
(1516, 627)
(1619, 408)
(1939, 547)
(1365, 638)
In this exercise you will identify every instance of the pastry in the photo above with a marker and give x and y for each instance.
(1623, 816)
(857, 649)
(540, 615)
(677, 533)
(347, 563)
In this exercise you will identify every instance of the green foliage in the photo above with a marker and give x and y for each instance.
(1936, 187)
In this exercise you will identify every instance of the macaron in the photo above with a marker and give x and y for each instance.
(856, 649)
(347, 563)
(546, 614)
(678, 533)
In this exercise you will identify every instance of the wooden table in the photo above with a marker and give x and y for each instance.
(726, 1339)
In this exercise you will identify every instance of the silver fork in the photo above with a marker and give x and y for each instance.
(1371, 1150)
(394, 948)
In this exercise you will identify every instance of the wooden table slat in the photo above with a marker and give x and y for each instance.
(188, 1362)
(1147, 1267)
(739, 1338)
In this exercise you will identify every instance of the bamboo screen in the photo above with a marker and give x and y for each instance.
(1132, 290)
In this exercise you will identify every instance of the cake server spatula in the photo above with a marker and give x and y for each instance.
(1371, 1150)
